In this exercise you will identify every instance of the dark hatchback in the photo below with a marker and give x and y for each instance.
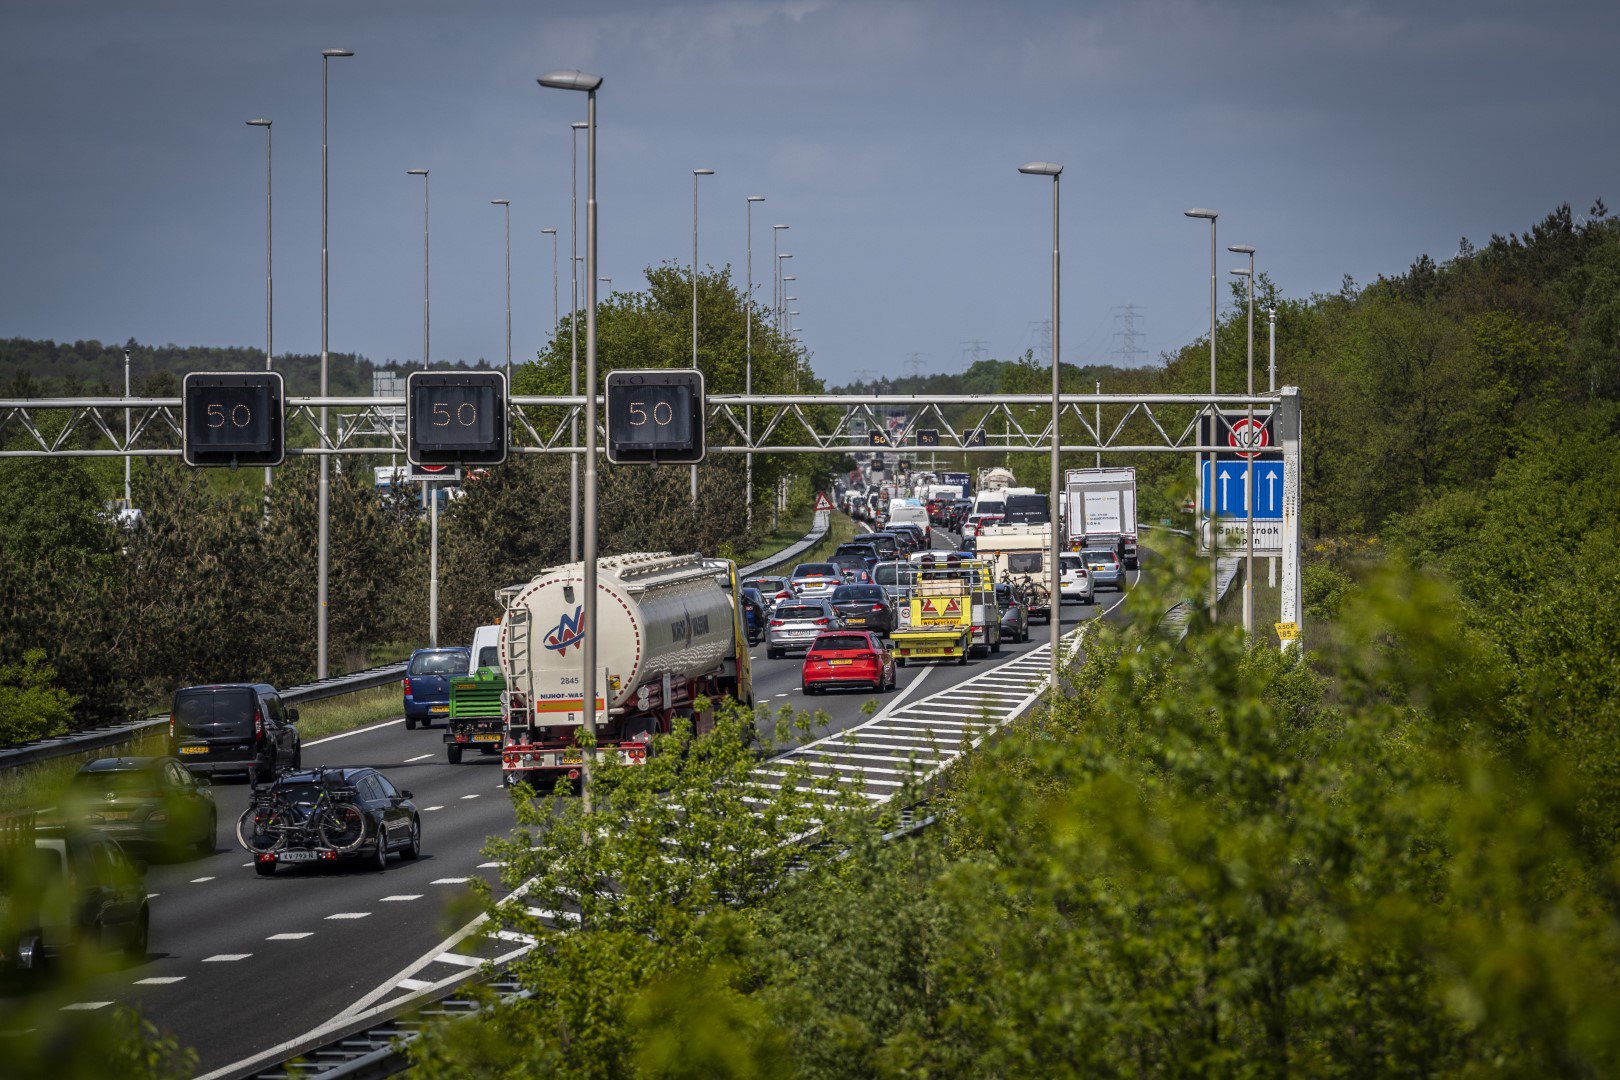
(234, 727)
(67, 889)
(1014, 615)
(387, 820)
(145, 803)
(754, 609)
(427, 683)
(864, 607)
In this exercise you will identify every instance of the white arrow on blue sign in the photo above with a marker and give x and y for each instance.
(1231, 484)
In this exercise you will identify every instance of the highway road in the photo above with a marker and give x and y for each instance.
(240, 964)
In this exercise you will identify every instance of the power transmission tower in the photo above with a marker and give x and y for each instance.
(1130, 352)
(975, 349)
(1040, 339)
(917, 363)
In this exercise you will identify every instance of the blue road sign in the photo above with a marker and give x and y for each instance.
(1231, 489)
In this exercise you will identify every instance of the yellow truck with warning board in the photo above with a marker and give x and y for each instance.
(940, 603)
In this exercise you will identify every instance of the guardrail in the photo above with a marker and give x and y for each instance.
(79, 742)
(819, 524)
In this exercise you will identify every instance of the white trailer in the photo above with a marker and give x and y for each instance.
(1101, 509)
(670, 630)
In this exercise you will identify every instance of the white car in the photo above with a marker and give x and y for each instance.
(1074, 584)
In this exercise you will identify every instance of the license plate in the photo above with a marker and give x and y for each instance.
(486, 738)
(194, 749)
(295, 856)
(571, 757)
(840, 663)
(855, 620)
(438, 708)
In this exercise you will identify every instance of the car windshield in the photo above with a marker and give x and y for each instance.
(839, 642)
(116, 780)
(214, 712)
(1092, 555)
(814, 569)
(799, 611)
(450, 662)
(858, 592)
(769, 584)
(1071, 562)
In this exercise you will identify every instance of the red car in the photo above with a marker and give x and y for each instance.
(848, 658)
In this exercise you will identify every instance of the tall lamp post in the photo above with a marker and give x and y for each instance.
(781, 304)
(1211, 216)
(506, 209)
(1248, 501)
(588, 84)
(573, 343)
(432, 489)
(1271, 361)
(748, 371)
(695, 174)
(269, 287)
(323, 537)
(1055, 171)
(776, 281)
(556, 314)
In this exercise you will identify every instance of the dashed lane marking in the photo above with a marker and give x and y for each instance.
(419, 757)
(160, 980)
(448, 881)
(227, 957)
(85, 1006)
(290, 937)
(465, 797)
(425, 809)
(490, 865)
(349, 915)
(402, 896)
(200, 880)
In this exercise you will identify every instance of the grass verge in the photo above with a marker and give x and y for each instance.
(1267, 603)
(334, 716)
(790, 530)
(36, 786)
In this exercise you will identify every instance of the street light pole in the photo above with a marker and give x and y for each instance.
(1211, 216)
(556, 314)
(776, 284)
(1271, 363)
(695, 174)
(269, 287)
(573, 343)
(506, 208)
(323, 537)
(1248, 565)
(578, 80)
(432, 489)
(1055, 171)
(128, 500)
(748, 371)
(781, 307)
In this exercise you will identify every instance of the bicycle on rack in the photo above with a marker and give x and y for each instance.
(1027, 591)
(304, 812)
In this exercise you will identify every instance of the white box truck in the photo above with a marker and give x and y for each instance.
(1101, 510)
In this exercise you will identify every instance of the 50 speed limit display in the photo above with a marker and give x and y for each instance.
(233, 418)
(655, 417)
(455, 417)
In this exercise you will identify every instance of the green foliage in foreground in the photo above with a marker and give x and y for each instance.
(1206, 860)
(31, 705)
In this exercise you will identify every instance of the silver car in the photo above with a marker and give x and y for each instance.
(816, 579)
(1104, 567)
(795, 624)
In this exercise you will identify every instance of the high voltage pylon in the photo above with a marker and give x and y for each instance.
(975, 349)
(1130, 351)
(916, 363)
(1040, 339)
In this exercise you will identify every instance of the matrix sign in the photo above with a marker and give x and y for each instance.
(233, 418)
(455, 417)
(655, 417)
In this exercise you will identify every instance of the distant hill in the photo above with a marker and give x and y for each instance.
(30, 367)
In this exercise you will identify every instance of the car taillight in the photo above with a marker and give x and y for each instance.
(258, 726)
(877, 607)
(820, 622)
(407, 683)
(776, 622)
(171, 727)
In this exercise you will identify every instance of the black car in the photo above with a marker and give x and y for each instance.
(864, 607)
(855, 568)
(66, 888)
(150, 803)
(754, 609)
(862, 548)
(1014, 615)
(324, 815)
(234, 727)
(889, 545)
(919, 540)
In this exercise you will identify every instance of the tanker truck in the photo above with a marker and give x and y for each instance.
(669, 630)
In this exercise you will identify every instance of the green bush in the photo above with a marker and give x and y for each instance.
(31, 705)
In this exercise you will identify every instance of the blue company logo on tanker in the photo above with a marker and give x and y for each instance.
(569, 631)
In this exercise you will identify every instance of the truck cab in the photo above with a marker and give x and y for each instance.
(476, 716)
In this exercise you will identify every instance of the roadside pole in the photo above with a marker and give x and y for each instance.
(1289, 430)
(432, 490)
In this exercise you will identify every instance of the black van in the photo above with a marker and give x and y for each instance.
(234, 727)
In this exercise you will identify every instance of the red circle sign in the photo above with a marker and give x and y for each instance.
(433, 468)
(1250, 436)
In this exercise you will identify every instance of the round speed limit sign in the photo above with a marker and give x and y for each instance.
(1250, 437)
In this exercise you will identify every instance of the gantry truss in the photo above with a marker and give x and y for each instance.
(737, 424)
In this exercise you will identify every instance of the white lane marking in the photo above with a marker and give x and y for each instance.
(85, 1006)
(490, 865)
(465, 797)
(357, 731)
(227, 957)
(402, 896)
(290, 937)
(515, 936)
(419, 757)
(246, 864)
(414, 984)
(160, 980)
(153, 895)
(459, 958)
(778, 695)
(200, 880)
(349, 915)
(448, 881)
(425, 809)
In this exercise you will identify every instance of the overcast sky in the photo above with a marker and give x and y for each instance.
(1335, 137)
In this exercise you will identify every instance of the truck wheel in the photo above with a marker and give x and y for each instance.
(996, 648)
(452, 751)
(960, 660)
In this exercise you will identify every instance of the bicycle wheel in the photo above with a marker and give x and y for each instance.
(261, 829)
(343, 826)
